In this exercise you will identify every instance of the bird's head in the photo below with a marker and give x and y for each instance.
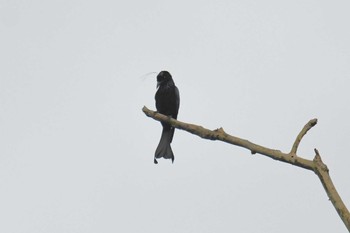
(163, 77)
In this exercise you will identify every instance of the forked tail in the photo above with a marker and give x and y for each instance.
(164, 149)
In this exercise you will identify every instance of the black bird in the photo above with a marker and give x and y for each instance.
(167, 103)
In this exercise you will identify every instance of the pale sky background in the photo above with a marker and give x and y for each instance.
(76, 150)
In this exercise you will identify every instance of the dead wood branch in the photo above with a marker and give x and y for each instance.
(316, 165)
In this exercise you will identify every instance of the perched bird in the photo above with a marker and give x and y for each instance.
(167, 102)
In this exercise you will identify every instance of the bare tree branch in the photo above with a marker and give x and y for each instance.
(316, 165)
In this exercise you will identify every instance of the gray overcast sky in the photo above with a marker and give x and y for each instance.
(76, 151)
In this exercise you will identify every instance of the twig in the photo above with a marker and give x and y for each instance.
(300, 136)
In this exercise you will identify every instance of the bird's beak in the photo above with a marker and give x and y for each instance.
(158, 83)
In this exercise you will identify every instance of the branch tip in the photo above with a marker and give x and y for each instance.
(316, 152)
(313, 122)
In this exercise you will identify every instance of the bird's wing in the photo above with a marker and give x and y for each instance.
(177, 95)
